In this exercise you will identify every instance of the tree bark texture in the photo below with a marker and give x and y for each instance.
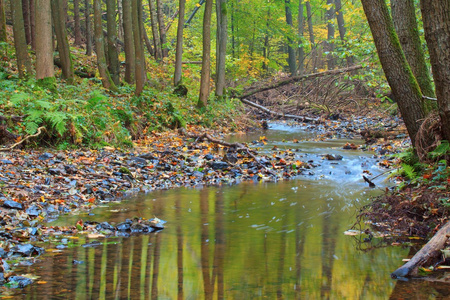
(76, 19)
(155, 32)
(113, 53)
(61, 36)
(329, 45)
(130, 62)
(44, 45)
(3, 36)
(221, 47)
(26, 20)
(162, 29)
(301, 31)
(33, 23)
(100, 48)
(206, 56)
(405, 22)
(139, 55)
(87, 8)
(310, 24)
(20, 43)
(179, 46)
(436, 22)
(398, 73)
(291, 52)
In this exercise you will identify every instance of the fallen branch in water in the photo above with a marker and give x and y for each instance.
(236, 146)
(371, 184)
(430, 252)
(265, 109)
(39, 131)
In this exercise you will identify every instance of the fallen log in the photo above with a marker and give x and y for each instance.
(39, 131)
(427, 255)
(281, 115)
(297, 79)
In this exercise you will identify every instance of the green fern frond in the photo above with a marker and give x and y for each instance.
(409, 172)
(34, 115)
(31, 127)
(19, 98)
(58, 120)
(44, 104)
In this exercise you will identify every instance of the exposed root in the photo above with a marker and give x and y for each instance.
(429, 136)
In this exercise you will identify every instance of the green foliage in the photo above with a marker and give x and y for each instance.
(442, 150)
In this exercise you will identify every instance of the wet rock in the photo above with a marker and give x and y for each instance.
(2, 278)
(147, 156)
(2, 253)
(157, 223)
(12, 204)
(209, 157)
(27, 250)
(124, 226)
(19, 281)
(198, 174)
(104, 226)
(4, 266)
(54, 171)
(45, 156)
(70, 169)
(6, 161)
(61, 156)
(139, 160)
(332, 157)
(219, 165)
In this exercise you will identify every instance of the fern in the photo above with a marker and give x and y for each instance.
(441, 150)
(18, 98)
(57, 120)
(409, 171)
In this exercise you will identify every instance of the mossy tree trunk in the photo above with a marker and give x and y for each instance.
(20, 43)
(291, 52)
(59, 21)
(113, 53)
(436, 21)
(130, 62)
(3, 36)
(405, 22)
(179, 46)
(100, 48)
(206, 56)
(138, 46)
(221, 47)
(398, 73)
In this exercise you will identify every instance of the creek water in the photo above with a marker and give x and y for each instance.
(255, 240)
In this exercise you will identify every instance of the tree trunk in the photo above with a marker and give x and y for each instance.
(100, 48)
(310, 24)
(26, 20)
(76, 19)
(20, 43)
(113, 54)
(139, 55)
(120, 28)
(291, 52)
(33, 23)
(162, 29)
(436, 22)
(233, 32)
(130, 63)
(329, 45)
(63, 44)
(301, 30)
(179, 46)
(398, 73)
(342, 29)
(44, 46)
(404, 17)
(206, 56)
(87, 8)
(156, 39)
(221, 47)
(3, 36)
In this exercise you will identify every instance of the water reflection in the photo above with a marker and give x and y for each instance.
(281, 240)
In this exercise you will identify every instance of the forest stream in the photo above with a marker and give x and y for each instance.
(254, 240)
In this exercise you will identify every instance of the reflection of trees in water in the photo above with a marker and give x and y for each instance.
(329, 232)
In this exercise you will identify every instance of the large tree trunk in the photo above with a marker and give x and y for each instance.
(63, 44)
(162, 29)
(26, 20)
(329, 45)
(3, 36)
(44, 46)
(20, 43)
(398, 73)
(138, 49)
(155, 32)
(301, 30)
(113, 54)
(100, 48)
(179, 46)
(87, 13)
(130, 62)
(206, 57)
(404, 17)
(221, 47)
(76, 19)
(291, 52)
(436, 22)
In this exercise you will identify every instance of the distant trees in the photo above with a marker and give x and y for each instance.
(20, 43)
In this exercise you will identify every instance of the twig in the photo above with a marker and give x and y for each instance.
(382, 174)
(39, 131)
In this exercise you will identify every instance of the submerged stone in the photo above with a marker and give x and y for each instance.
(19, 281)
(12, 204)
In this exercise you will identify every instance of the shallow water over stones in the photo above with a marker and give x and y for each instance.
(252, 240)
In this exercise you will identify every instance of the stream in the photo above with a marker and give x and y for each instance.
(254, 240)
